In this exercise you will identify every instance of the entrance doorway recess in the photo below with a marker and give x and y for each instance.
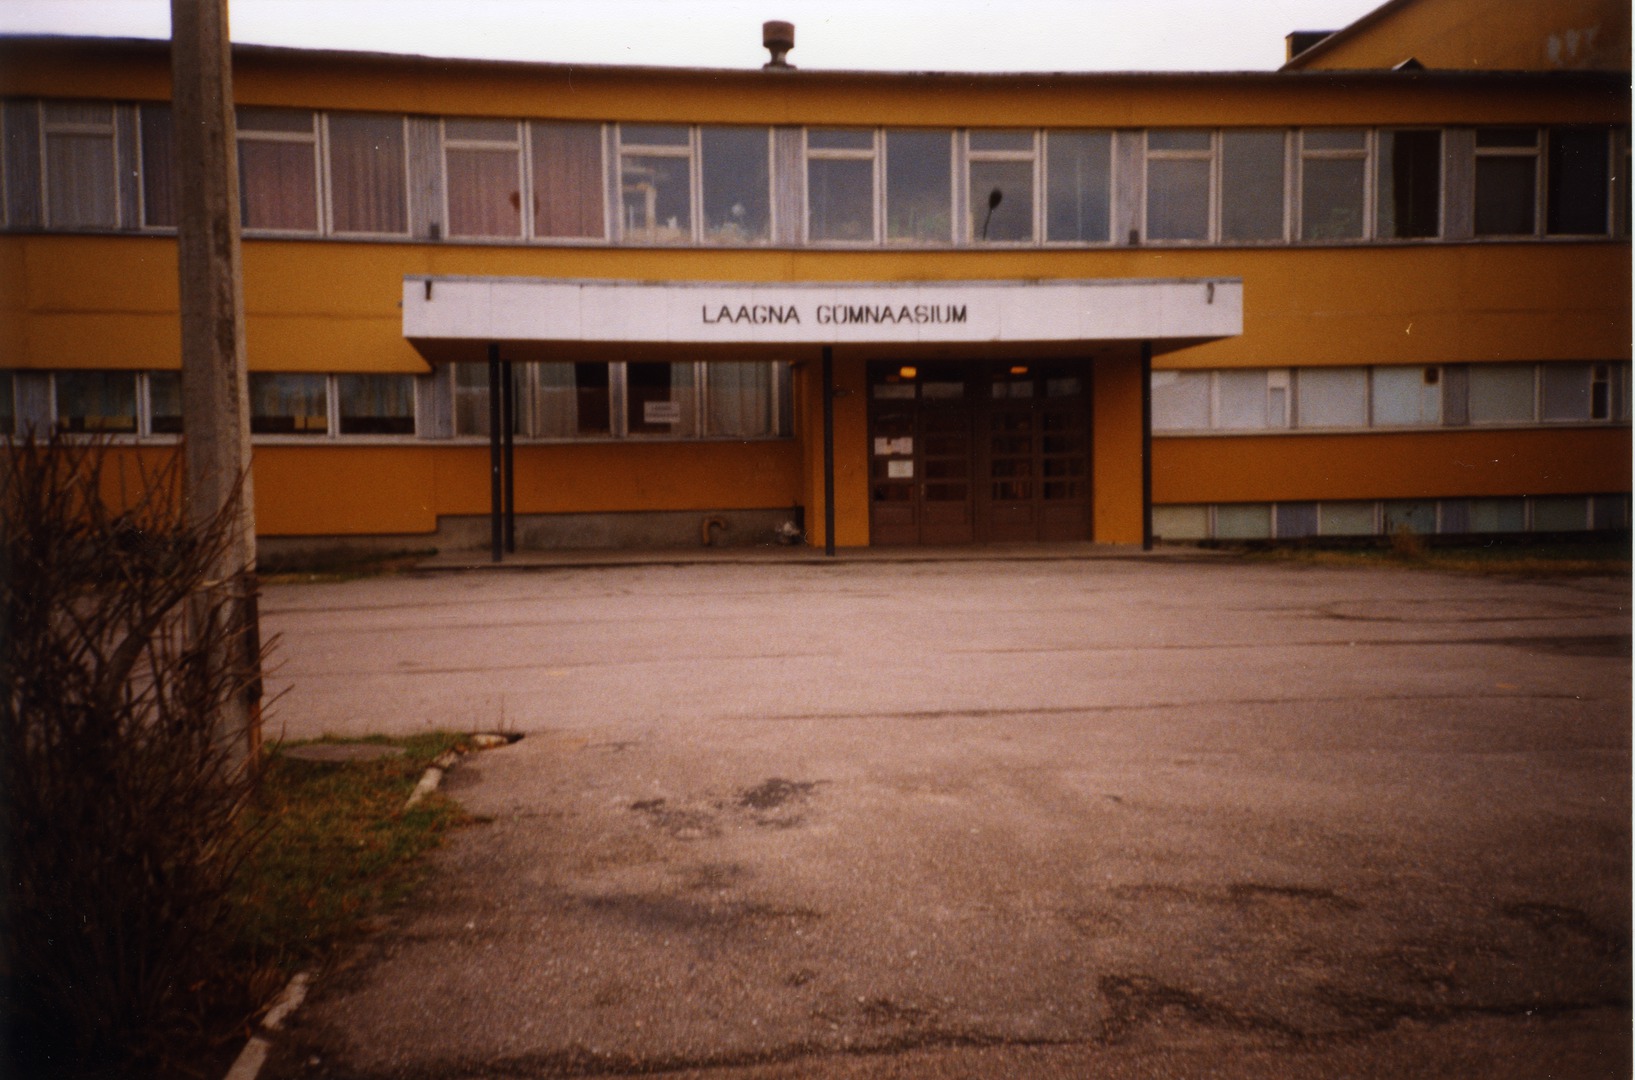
(984, 452)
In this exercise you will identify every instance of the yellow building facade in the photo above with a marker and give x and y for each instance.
(1385, 288)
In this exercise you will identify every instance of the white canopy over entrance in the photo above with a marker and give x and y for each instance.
(502, 320)
(452, 318)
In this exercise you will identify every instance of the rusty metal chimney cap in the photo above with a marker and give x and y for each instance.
(778, 38)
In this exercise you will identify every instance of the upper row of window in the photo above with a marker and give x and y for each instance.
(348, 174)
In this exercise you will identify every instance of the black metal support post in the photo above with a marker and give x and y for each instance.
(1146, 446)
(828, 450)
(496, 463)
(509, 390)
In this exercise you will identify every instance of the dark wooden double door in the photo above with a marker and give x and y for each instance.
(987, 452)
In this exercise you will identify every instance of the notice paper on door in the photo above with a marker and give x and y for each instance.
(887, 447)
(900, 470)
(661, 412)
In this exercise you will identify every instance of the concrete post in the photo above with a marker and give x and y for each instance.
(215, 396)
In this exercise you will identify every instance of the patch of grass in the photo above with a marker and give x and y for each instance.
(338, 850)
(1528, 559)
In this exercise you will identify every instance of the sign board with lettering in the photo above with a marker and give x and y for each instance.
(492, 309)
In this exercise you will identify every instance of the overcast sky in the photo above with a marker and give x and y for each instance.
(900, 35)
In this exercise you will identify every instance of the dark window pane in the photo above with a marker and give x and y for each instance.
(737, 185)
(1252, 185)
(590, 384)
(1177, 140)
(96, 401)
(1079, 186)
(919, 186)
(1506, 196)
(1410, 202)
(1177, 200)
(840, 139)
(840, 197)
(1011, 218)
(158, 180)
(165, 402)
(1506, 137)
(652, 134)
(1577, 181)
(288, 404)
(376, 404)
(657, 198)
(1331, 198)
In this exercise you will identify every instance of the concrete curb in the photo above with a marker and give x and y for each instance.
(254, 1055)
(247, 1066)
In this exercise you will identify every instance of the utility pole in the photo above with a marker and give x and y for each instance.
(215, 394)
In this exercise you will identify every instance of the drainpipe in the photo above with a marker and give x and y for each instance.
(828, 450)
(495, 462)
(1146, 446)
(508, 389)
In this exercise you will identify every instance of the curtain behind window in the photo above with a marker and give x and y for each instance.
(740, 399)
(567, 180)
(368, 183)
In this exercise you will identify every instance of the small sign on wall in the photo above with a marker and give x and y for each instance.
(900, 470)
(661, 412)
(888, 447)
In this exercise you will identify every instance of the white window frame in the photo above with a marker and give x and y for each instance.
(618, 412)
(445, 144)
(47, 128)
(327, 199)
(1041, 203)
(312, 138)
(1297, 196)
(1277, 379)
(141, 166)
(332, 415)
(875, 155)
(1210, 156)
(1377, 159)
(1034, 156)
(138, 380)
(1538, 152)
(528, 226)
(695, 202)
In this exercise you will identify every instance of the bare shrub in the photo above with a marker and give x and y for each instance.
(119, 797)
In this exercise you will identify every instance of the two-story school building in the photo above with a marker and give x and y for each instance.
(1386, 287)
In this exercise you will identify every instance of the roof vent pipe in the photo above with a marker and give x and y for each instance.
(778, 38)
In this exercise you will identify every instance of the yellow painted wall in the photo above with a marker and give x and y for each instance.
(1493, 35)
(851, 449)
(90, 301)
(1115, 452)
(1435, 464)
(318, 490)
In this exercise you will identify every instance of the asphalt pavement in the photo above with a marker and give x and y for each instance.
(1122, 817)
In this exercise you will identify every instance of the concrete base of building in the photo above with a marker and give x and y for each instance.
(547, 532)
